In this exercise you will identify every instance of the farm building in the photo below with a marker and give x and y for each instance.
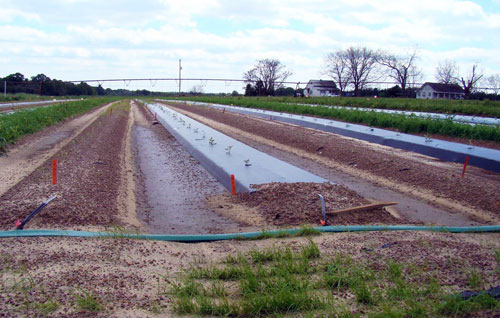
(440, 91)
(319, 88)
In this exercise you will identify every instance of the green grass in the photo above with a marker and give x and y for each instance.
(301, 282)
(305, 230)
(23, 122)
(88, 301)
(24, 97)
(401, 123)
(47, 307)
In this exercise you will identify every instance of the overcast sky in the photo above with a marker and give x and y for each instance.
(102, 39)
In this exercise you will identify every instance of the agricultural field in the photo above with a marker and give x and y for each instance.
(22, 97)
(121, 173)
(25, 122)
(462, 107)
(401, 123)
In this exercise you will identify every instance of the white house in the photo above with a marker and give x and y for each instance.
(440, 91)
(321, 88)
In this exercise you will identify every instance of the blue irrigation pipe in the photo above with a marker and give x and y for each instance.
(245, 235)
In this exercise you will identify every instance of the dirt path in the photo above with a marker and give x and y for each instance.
(418, 178)
(33, 150)
(174, 185)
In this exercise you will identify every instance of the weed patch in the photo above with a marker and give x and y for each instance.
(286, 281)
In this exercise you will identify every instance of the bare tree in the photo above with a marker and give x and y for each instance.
(470, 82)
(447, 72)
(361, 63)
(493, 83)
(337, 68)
(267, 75)
(401, 68)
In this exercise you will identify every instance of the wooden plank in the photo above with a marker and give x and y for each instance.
(363, 207)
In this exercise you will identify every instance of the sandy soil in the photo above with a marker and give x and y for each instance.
(31, 151)
(273, 203)
(97, 175)
(419, 176)
(130, 278)
(89, 176)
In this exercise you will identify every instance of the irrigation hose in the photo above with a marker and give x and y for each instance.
(245, 235)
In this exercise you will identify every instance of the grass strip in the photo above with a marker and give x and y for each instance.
(23, 122)
(406, 124)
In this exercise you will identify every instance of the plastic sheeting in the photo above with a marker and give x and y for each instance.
(222, 155)
(463, 119)
(481, 157)
(5, 105)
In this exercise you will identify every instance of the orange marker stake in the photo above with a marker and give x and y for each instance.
(233, 185)
(54, 171)
(110, 111)
(155, 116)
(465, 165)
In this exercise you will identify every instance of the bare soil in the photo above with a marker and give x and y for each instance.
(284, 204)
(88, 179)
(424, 177)
(130, 278)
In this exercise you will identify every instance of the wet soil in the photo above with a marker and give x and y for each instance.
(478, 191)
(174, 185)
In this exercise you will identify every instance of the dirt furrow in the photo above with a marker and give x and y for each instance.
(88, 180)
(422, 177)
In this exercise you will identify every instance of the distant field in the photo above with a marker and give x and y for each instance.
(402, 123)
(23, 97)
(24, 122)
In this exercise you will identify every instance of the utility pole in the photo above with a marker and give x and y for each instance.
(180, 69)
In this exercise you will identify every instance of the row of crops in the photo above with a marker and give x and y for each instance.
(402, 123)
(456, 107)
(24, 122)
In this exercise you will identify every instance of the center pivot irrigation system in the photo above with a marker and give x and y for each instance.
(204, 81)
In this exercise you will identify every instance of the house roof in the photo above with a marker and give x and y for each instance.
(445, 88)
(322, 84)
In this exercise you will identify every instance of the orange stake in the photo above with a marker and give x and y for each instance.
(233, 185)
(110, 111)
(465, 165)
(54, 171)
(155, 116)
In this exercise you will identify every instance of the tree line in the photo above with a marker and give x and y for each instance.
(354, 69)
(42, 85)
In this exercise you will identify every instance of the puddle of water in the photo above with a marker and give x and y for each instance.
(175, 187)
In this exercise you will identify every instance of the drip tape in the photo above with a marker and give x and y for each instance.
(189, 238)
